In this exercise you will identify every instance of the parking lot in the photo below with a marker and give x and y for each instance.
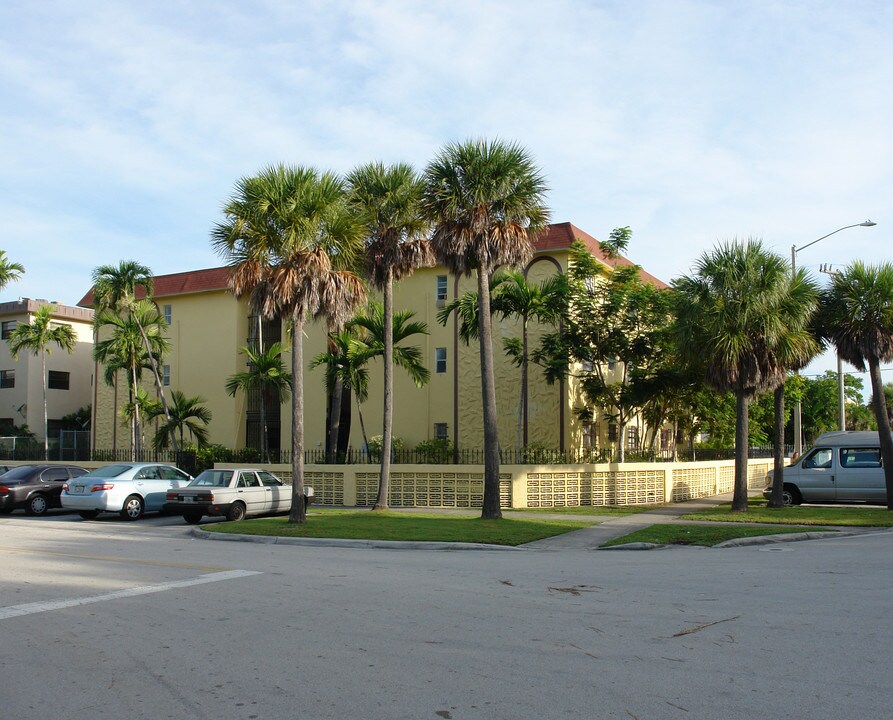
(140, 619)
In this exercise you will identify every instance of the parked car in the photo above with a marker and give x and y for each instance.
(233, 494)
(840, 467)
(36, 488)
(126, 488)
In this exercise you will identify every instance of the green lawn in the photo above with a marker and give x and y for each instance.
(757, 512)
(390, 525)
(611, 510)
(707, 535)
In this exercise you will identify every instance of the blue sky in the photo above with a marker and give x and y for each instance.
(126, 124)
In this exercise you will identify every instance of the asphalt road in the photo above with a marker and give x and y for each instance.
(110, 619)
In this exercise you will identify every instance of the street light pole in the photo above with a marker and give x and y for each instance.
(798, 414)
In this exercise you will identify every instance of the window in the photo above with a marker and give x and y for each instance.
(269, 479)
(612, 363)
(57, 380)
(440, 365)
(612, 432)
(632, 438)
(441, 431)
(819, 458)
(588, 366)
(588, 435)
(7, 378)
(167, 314)
(166, 375)
(441, 294)
(55, 474)
(6, 328)
(860, 457)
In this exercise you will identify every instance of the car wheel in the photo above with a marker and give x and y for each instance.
(37, 505)
(133, 508)
(89, 514)
(791, 495)
(193, 518)
(236, 512)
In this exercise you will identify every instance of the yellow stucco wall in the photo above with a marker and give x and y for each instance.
(208, 328)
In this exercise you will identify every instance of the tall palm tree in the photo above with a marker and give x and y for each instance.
(186, 414)
(125, 349)
(266, 374)
(388, 201)
(115, 289)
(38, 338)
(486, 200)
(730, 320)
(541, 302)
(293, 246)
(795, 346)
(9, 271)
(856, 314)
(345, 363)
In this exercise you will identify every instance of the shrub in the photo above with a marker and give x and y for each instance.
(373, 447)
(436, 450)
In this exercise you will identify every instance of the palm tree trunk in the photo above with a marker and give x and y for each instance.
(520, 441)
(491, 506)
(298, 512)
(362, 426)
(742, 430)
(621, 437)
(136, 417)
(158, 385)
(879, 404)
(46, 423)
(264, 439)
(776, 499)
(381, 502)
(334, 422)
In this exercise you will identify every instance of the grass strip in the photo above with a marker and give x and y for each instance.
(388, 525)
(758, 512)
(610, 510)
(706, 535)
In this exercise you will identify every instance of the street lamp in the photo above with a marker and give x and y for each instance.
(798, 440)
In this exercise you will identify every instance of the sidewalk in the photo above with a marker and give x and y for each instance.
(592, 537)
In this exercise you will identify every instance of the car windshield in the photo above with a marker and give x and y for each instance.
(213, 478)
(107, 471)
(19, 473)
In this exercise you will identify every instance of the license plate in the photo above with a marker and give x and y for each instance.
(187, 499)
(79, 489)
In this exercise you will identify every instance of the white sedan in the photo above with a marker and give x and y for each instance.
(233, 494)
(126, 488)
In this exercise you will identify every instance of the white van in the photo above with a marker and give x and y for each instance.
(840, 467)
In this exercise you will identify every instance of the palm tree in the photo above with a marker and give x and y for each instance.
(293, 245)
(9, 271)
(186, 413)
(345, 362)
(730, 320)
(115, 289)
(543, 302)
(388, 200)
(37, 338)
(486, 200)
(266, 374)
(856, 314)
(795, 346)
(124, 349)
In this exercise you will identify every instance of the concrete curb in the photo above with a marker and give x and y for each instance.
(739, 542)
(342, 543)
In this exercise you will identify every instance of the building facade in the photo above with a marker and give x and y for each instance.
(208, 326)
(69, 377)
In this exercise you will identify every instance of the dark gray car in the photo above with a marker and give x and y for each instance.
(36, 488)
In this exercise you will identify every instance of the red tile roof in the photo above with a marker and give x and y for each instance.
(557, 236)
(193, 281)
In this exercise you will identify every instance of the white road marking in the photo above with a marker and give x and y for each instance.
(39, 607)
